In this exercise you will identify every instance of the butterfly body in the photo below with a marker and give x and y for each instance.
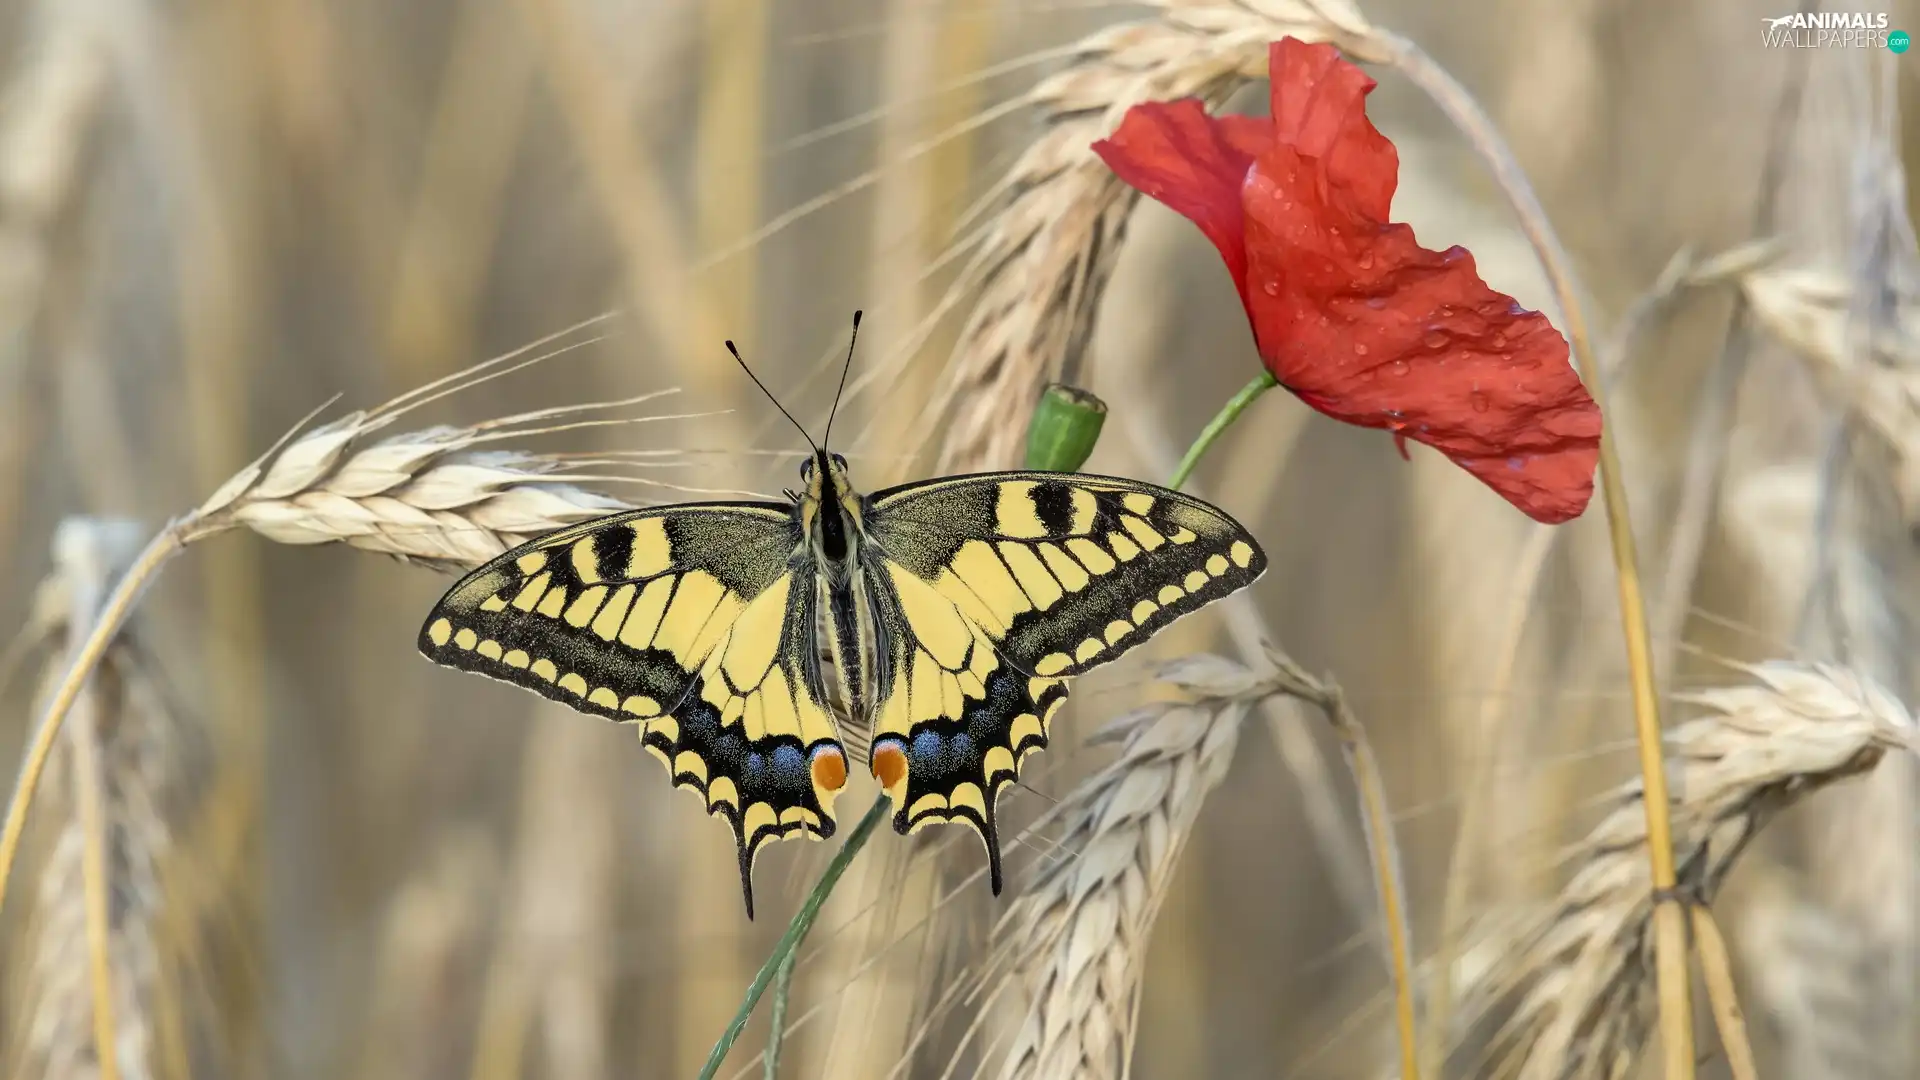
(953, 612)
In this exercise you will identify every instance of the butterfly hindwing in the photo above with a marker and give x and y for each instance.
(696, 622)
(993, 590)
(953, 720)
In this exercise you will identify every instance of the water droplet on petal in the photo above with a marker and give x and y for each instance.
(1479, 401)
(1400, 367)
(1366, 260)
(1377, 302)
(1435, 339)
(1498, 340)
(1359, 350)
(1271, 286)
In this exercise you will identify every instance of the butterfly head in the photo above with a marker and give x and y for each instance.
(830, 509)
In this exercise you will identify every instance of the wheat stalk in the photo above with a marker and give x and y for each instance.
(1570, 999)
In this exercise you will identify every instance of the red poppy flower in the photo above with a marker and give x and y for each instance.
(1348, 311)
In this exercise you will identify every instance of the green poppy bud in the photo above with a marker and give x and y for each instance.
(1066, 423)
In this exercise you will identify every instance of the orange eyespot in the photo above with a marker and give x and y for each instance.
(829, 768)
(890, 764)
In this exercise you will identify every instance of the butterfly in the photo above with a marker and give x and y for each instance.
(950, 612)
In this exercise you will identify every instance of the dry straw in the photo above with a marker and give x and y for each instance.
(1569, 999)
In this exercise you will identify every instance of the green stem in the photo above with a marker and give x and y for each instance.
(789, 943)
(1221, 420)
(777, 1018)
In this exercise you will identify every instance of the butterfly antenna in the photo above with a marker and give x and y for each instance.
(827, 439)
(770, 397)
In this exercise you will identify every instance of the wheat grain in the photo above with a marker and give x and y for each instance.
(1039, 274)
(1571, 999)
(425, 496)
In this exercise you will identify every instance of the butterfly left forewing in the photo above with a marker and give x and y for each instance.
(995, 589)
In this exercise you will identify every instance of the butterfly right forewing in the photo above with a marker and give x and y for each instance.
(691, 620)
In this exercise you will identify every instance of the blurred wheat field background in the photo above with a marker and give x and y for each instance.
(312, 854)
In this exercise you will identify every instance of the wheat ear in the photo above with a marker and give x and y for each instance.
(1078, 936)
(94, 951)
(437, 496)
(1569, 999)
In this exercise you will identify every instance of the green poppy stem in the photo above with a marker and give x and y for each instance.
(789, 944)
(1221, 420)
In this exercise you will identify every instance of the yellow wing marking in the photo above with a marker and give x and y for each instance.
(935, 618)
(652, 551)
(982, 587)
(586, 561)
(1085, 509)
(644, 619)
(533, 590)
(1141, 532)
(1091, 555)
(1015, 513)
(1039, 585)
(586, 605)
(1072, 576)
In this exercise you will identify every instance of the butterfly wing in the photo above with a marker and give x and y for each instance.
(992, 590)
(695, 621)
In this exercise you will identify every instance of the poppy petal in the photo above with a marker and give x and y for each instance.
(1319, 104)
(1369, 327)
(1192, 162)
